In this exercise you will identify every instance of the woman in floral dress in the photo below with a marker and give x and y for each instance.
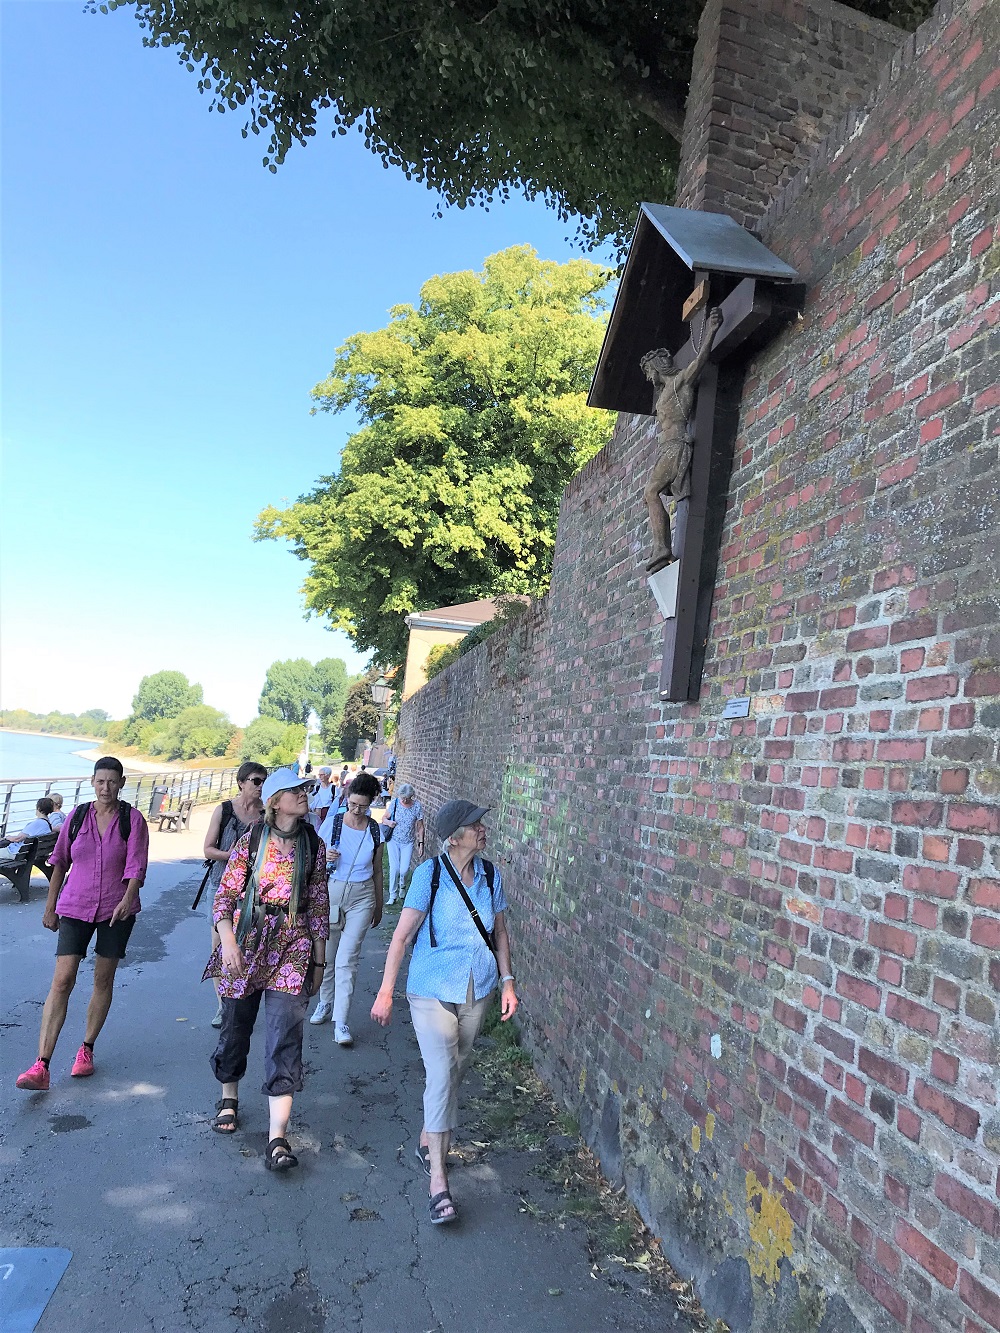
(272, 911)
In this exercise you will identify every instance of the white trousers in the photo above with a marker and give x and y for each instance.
(445, 1034)
(338, 983)
(399, 864)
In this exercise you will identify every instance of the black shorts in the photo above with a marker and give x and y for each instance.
(75, 936)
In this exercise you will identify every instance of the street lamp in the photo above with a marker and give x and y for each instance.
(381, 694)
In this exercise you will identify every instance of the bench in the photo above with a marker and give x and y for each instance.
(18, 868)
(46, 846)
(176, 819)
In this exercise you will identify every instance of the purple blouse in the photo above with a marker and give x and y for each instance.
(99, 868)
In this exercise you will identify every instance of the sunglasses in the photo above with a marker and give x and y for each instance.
(257, 782)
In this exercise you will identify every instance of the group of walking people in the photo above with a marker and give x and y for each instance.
(289, 896)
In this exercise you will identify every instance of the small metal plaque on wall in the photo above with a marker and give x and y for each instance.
(737, 708)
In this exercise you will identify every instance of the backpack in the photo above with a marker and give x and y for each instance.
(80, 814)
(490, 872)
(338, 824)
(227, 815)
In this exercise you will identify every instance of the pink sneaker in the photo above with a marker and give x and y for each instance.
(83, 1065)
(35, 1079)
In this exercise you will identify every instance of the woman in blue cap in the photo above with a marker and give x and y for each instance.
(272, 912)
(453, 915)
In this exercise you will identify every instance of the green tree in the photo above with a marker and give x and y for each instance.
(331, 688)
(360, 716)
(272, 742)
(164, 694)
(578, 101)
(473, 418)
(261, 736)
(289, 691)
(195, 731)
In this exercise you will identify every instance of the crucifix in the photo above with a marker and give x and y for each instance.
(704, 276)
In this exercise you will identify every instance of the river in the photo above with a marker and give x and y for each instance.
(23, 756)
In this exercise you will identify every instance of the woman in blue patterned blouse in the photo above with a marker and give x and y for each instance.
(453, 973)
(405, 816)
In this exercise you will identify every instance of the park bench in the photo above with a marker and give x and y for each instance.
(46, 846)
(176, 819)
(18, 868)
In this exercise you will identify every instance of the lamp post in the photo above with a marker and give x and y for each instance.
(381, 694)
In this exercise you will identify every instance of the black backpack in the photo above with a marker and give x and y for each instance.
(490, 872)
(338, 824)
(80, 814)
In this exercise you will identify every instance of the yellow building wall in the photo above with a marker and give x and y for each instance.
(420, 645)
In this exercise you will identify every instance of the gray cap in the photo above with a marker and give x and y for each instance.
(454, 815)
(282, 779)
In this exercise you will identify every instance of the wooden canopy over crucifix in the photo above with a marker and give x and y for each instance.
(682, 264)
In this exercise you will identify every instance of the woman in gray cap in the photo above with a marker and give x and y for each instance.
(272, 911)
(454, 917)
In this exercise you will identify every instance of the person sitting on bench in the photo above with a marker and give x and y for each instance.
(35, 828)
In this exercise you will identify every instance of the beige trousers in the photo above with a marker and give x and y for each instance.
(445, 1034)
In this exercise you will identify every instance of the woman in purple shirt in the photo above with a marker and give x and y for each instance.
(100, 861)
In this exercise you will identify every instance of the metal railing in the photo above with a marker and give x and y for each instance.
(148, 792)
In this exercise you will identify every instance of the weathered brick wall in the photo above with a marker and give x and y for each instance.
(768, 80)
(758, 957)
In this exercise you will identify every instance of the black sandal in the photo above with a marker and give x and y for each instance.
(226, 1122)
(280, 1156)
(439, 1202)
(423, 1156)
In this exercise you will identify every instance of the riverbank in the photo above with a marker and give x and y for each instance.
(53, 735)
(131, 763)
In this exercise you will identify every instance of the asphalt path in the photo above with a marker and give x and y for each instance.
(175, 1228)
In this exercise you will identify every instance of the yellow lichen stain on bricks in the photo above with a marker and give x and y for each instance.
(770, 1229)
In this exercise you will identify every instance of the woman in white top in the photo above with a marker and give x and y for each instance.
(355, 853)
(322, 798)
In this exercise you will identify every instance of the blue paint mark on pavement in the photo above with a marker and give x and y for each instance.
(28, 1277)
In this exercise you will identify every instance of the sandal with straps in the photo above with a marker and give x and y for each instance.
(226, 1121)
(280, 1156)
(438, 1203)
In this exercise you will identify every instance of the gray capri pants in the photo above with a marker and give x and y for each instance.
(445, 1034)
(284, 1015)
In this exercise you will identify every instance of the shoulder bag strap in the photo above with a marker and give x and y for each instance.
(488, 939)
(435, 885)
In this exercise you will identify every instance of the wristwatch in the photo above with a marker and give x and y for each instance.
(509, 977)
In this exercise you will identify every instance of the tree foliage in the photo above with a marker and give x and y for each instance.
(473, 418)
(94, 722)
(295, 688)
(195, 731)
(164, 694)
(289, 691)
(272, 742)
(578, 101)
(360, 717)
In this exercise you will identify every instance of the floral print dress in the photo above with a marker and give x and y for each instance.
(279, 958)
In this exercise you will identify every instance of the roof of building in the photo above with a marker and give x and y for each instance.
(465, 616)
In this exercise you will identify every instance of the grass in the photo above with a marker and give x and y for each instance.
(517, 1112)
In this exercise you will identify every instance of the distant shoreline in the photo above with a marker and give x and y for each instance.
(51, 735)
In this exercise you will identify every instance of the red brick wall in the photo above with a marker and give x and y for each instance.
(769, 79)
(818, 886)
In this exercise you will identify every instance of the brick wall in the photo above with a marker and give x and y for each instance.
(769, 78)
(758, 957)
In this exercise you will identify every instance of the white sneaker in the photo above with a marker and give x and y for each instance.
(321, 1014)
(342, 1035)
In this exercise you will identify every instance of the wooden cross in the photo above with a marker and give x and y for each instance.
(753, 313)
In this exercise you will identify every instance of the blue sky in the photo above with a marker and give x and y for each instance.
(168, 304)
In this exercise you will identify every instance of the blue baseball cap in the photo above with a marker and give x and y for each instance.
(282, 779)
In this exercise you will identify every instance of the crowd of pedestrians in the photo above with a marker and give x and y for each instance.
(295, 865)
